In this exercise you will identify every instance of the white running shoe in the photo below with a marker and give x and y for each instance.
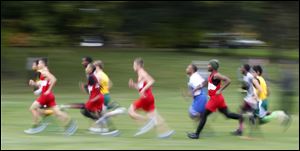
(166, 134)
(71, 129)
(118, 111)
(121, 110)
(101, 120)
(146, 128)
(37, 129)
(111, 133)
(104, 130)
(95, 129)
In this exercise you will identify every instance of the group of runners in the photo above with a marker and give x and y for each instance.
(206, 93)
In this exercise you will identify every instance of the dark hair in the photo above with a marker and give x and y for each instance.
(36, 61)
(88, 59)
(258, 68)
(246, 67)
(195, 68)
(139, 61)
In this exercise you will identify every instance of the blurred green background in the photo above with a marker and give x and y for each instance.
(147, 24)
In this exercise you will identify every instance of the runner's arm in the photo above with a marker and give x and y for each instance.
(150, 81)
(52, 80)
(226, 80)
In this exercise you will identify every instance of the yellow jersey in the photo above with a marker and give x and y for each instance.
(263, 95)
(104, 83)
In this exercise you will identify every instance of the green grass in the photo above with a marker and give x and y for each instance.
(168, 69)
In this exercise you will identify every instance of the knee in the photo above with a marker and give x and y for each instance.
(32, 108)
(131, 112)
(56, 113)
(194, 116)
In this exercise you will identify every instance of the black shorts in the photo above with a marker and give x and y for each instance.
(91, 115)
(246, 107)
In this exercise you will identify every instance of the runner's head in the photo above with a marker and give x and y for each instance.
(99, 64)
(42, 63)
(245, 68)
(138, 63)
(34, 65)
(213, 65)
(258, 70)
(90, 68)
(86, 60)
(191, 68)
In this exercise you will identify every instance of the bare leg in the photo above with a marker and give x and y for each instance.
(34, 109)
(160, 124)
(62, 116)
(36, 114)
(137, 117)
(162, 127)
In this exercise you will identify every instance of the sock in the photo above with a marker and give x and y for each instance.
(241, 126)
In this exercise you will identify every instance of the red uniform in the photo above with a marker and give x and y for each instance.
(43, 99)
(94, 91)
(215, 101)
(145, 102)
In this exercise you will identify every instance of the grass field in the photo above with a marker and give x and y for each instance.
(168, 69)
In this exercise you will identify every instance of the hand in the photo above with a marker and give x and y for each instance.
(131, 83)
(31, 83)
(218, 92)
(82, 87)
(47, 92)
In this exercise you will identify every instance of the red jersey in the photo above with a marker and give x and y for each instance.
(45, 100)
(141, 85)
(94, 90)
(146, 102)
(93, 86)
(213, 84)
(45, 84)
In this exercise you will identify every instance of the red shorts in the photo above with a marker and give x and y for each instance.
(48, 100)
(95, 106)
(215, 102)
(146, 103)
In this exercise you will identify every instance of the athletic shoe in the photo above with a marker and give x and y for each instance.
(286, 122)
(101, 120)
(36, 128)
(71, 128)
(63, 107)
(95, 129)
(166, 134)
(146, 128)
(111, 133)
(238, 132)
(120, 110)
(193, 136)
(104, 130)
